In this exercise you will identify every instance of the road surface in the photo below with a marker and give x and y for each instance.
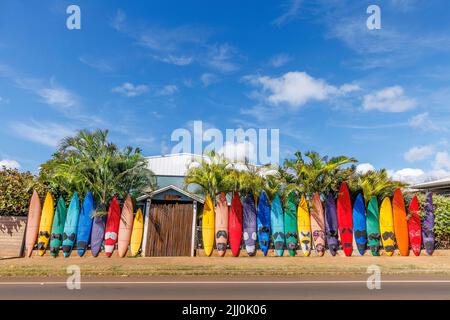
(213, 288)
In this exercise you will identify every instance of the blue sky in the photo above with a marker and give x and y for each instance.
(309, 68)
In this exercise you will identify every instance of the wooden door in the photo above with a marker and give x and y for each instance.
(169, 229)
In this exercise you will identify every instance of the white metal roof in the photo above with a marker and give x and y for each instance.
(442, 183)
(172, 164)
(173, 187)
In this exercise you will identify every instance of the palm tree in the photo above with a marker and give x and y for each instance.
(374, 183)
(88, 161)
(318, 174)
(212, 174)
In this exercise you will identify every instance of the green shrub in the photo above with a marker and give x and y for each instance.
(16, 189)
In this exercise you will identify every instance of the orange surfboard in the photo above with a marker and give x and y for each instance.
(400, 224)
(125, 227)
(221, 224)
(34, 217)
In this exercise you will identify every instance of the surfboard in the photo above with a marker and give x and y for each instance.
(70, 227)
(304, 226)
(414, 228)
(249, 225)
(331, 225)
(373, 226)
(221, 223)
(85, 224)
(318, 225)
(112, 226)
(277, 225)
(45, 225)
(235, 224)
(97, 234)
(387, 227)
(58, 227)
(137, 233)
(263, 223)
(208, 226)
(290, 225)
(359, 224)
(400, 224)
(34, 217)
(345, 223)
(125, 227)
(428, 225)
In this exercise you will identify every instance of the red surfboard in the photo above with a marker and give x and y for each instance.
(414, 226)
(235, 224)
(400, 223)
(112, 226)
(345, 222)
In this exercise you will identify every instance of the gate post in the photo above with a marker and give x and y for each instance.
(194, 227)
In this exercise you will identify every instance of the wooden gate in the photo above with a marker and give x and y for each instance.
(169, 229)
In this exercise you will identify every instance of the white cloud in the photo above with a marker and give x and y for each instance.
(238, 152)
(280, 60)
(128, 89)
(291, 11)
(442, 161)
(58, 96)
(363, 168)
(418, 153)
(390, 99)
(168, 90)
(48, 134)
(423, 122)
(175, 59)
(207, 79)
(220, 56)
(9, 164)
(98, 64)
(408, 175)
(297, 88)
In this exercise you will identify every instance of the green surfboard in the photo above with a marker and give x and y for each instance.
(290, 224)
(58, 227)
(373, 226)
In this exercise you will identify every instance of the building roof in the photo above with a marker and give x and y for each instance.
(171, 187)
(172, 164)
(437, 184)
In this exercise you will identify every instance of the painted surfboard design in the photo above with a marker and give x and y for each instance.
(97, 234)
(414, 228)
(359, 224)
(138, 231)
(387, 227)
(45, 225)
(331, 225)
(318, 225)
(112, 226)
(400, 224)
(263, 223)
(290, 225)
(345, 222)
(373, 226)
(125, 227)
(277, 225)
(34, 217)
(58, 227)
(304, 226)
(249, 227)
(70, 228)
(235, 224)
(221, 224)
(428, 225)
(85, 224)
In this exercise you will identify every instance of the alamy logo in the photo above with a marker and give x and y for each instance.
(73, 22)
(73, 282)
(374, 280)
(374, 20)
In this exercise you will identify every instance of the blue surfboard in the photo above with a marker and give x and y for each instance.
(263, 223)
(70, 227)
(359, 224)
(277, 225)
(85, 224)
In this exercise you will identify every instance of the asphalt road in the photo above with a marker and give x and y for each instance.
(208, 288)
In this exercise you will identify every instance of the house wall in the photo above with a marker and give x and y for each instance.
(12, 231)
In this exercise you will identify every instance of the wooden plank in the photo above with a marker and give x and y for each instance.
(12, 231)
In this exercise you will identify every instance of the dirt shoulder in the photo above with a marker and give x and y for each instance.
(227, 266)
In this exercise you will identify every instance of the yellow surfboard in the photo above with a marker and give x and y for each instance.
(387, 227)
(137, 233)
(304, 226)
(45, 226)
(208, 226)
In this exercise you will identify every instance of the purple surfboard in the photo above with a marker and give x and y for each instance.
(97, 235)
(331, 225)
(428, 225)
(249, 225)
